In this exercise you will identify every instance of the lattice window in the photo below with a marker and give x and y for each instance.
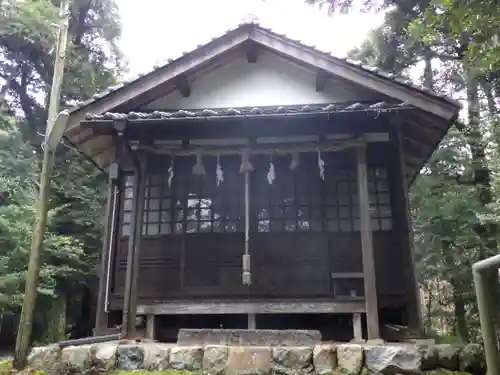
(212, 208)
(341, 200)
(296, 201)
(300, 201)
(157, 217)
(292, 202)
(128, 194)
(192, 204)
(380, 200)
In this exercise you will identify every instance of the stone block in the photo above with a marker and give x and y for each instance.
(249, 360)
(104, 355)
(259, 337)
(215, 359)
(76, 358)
(447, 356)
(290, 360)
(156, 356)
(472, 359)
(350, 359)
(393, 359)
(186, 358)
(325, 358)
(44, 358)
(130, 357)
(429, 355)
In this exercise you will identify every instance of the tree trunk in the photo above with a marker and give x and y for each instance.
(56, 322)
(460, 325)
(482, 179)
(459, 322)
(428, 73)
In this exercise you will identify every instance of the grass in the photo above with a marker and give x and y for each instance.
(5, 367)
(165, 372)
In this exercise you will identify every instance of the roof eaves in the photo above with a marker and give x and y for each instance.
(333, 108)
(365, 68)
(253, 27)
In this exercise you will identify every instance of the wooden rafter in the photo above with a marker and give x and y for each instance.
(280, 45)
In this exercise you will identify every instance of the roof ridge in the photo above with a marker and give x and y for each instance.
(255, 24)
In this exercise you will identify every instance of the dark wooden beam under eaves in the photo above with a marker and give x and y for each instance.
(321, 79)
(183, 87)
(252, 53)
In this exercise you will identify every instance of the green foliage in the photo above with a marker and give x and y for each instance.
(73, 239)
(455, 201)
(471, 27)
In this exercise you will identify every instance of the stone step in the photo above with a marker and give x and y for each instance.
(248, 337)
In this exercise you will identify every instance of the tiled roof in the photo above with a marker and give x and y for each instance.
(377, 107)
(358, 64)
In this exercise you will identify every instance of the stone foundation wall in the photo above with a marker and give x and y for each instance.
(322, 359)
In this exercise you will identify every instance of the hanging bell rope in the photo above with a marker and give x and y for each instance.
(294, 163)
(246, 274)
(246, 165)
(219, 174)
(199, 168)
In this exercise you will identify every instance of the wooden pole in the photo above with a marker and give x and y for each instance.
(30, 293)
(101, 321)
(134, 245)
(371, 301)
(404, 228)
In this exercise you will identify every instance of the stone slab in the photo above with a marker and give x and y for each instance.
(248, 337)
(320, 359)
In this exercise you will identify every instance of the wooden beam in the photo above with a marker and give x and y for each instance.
(134, 247)
(321, 79)
(416, 148)
(404, 227)
(357, 325)
(183, 87)
(150, 326)
(101, 320)
(371, 297)
(347, 275)
(254, 307)
(252, 53)
(152, 80)
(251, 321)
(354, 74)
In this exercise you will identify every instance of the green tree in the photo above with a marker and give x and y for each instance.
(72, 243)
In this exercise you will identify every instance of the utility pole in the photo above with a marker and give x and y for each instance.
(30, 293)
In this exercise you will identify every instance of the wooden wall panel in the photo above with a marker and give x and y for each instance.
(289, 265)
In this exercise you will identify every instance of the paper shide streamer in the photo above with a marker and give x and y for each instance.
(271, 174)
(218, 172)
(171, 172)
(321, 165)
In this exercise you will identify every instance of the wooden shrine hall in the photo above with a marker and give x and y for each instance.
(257, 182)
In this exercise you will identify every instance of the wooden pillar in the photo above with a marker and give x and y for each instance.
(134, 247)
(357, 325)
(101, 322)
(403, 224)
(251, 321)
(150, 326)
(371, 300)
